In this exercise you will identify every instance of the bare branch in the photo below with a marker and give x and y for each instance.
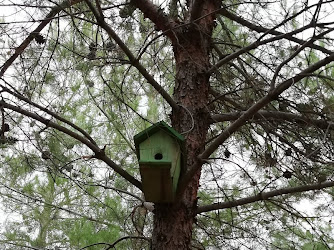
(22, 98)
(254, 45)
(260, 104)
(195, 9)
(19, 50)
(314, 38)
(245, 117)
(117, 241)
(98, 5)
(132, 58)
(115, 189)
(264, 196)
(258, 28)
(99, 153)
(156, 15)
(275, 116)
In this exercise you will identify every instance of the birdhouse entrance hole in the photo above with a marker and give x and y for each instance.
(161, 154)
(158, 156)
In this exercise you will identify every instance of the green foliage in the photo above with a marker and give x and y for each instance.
(63, 196)
(314, 246)
(83, 233)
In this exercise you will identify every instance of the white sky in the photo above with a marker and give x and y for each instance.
(10, 15)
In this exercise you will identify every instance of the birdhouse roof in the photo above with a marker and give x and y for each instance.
(142, 136)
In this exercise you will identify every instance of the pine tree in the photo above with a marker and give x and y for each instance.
(249, 85)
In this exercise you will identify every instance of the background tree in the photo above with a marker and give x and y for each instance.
(249, 85)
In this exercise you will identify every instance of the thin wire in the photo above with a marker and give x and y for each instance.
(192, 120)
(322, 142)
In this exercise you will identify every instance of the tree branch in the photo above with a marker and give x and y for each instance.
(132, 58)
(99, 153)
(156, 15)
(52, 205)
(19, 50)
(275, 115)
(18, 245)
(254, 45)
(195, 10)
(27, 100)
(115, 189)
(112, 245)
(261, 29)
(272, 95)
(260, 104)
(314, 38)
(264, 196)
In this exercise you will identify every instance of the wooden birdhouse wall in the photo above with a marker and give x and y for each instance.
(161, 154)
(160, 163)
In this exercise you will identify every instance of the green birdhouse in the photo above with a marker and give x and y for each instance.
(160, 152)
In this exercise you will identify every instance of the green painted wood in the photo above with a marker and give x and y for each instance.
(160, 151)
(142, 136)
(157, 182)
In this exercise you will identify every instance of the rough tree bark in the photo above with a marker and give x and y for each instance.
(192, 44)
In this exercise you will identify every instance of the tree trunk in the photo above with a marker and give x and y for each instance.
(173, 222)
